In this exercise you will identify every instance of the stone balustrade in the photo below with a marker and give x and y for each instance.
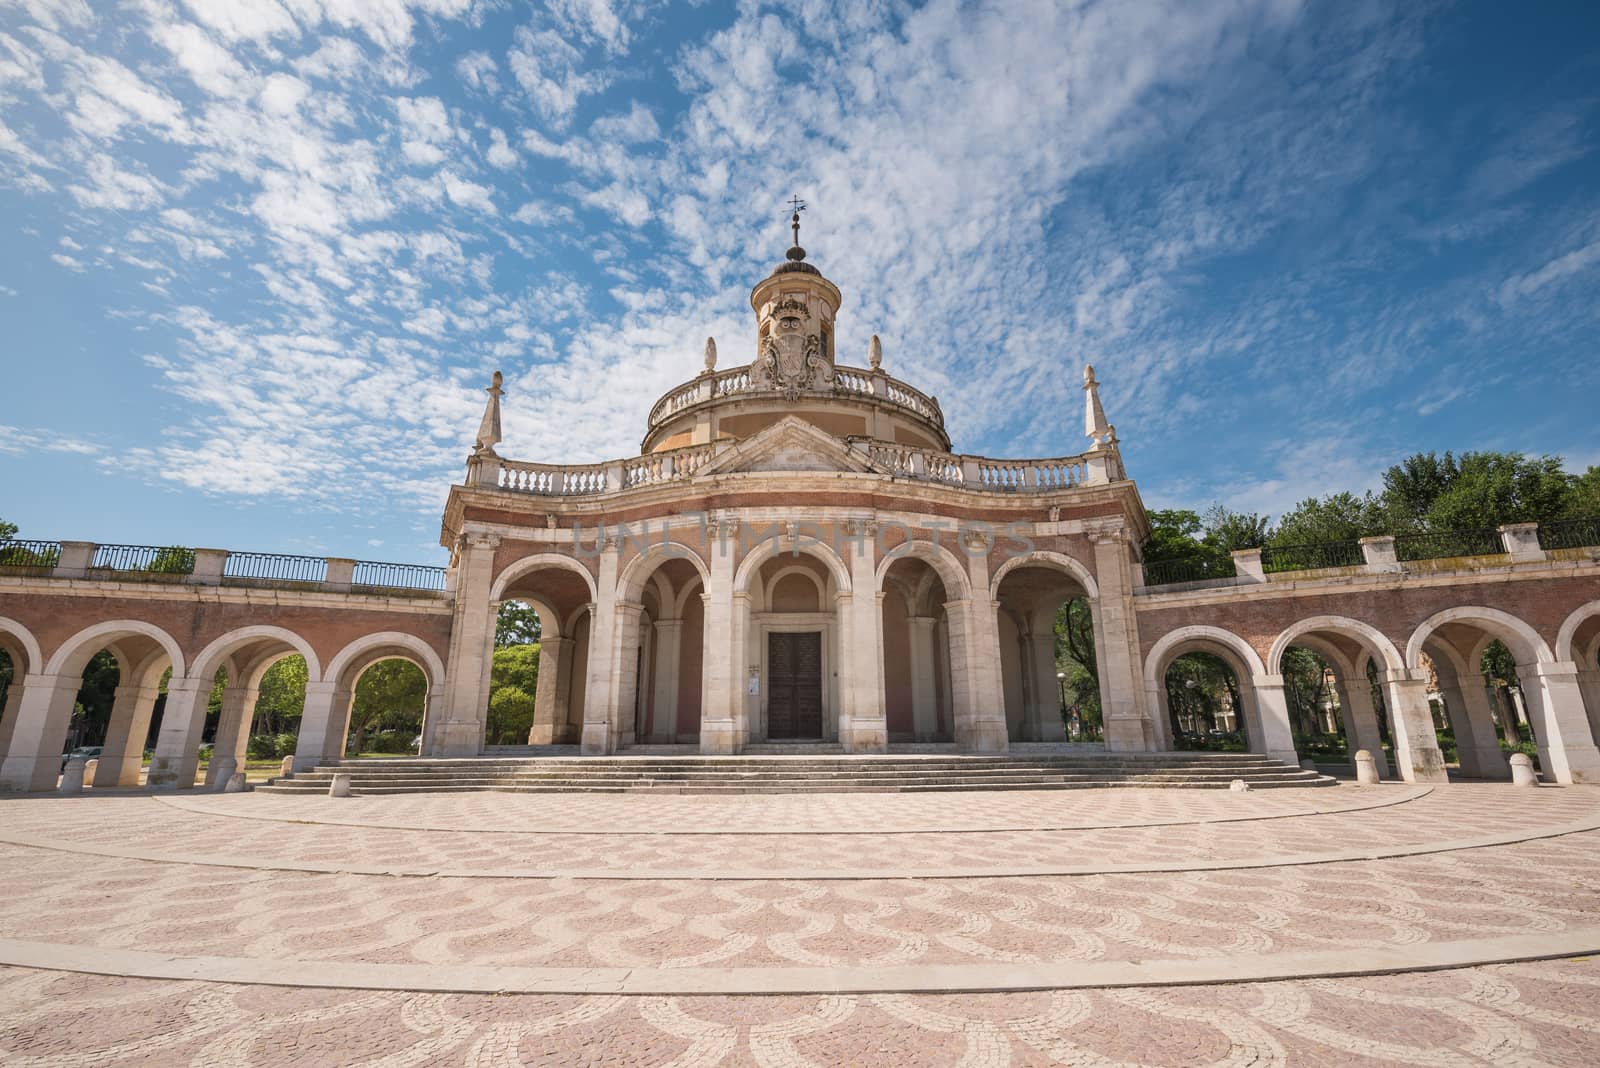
(846, 380)
(215, 567)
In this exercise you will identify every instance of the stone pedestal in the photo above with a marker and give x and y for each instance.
(1416, 747)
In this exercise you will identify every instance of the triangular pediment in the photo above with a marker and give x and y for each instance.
(791, 444)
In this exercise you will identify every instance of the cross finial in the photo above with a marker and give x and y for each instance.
(796, 206)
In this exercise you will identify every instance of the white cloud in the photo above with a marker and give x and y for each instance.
(547, 69)
(500, 153)
(1556, 270)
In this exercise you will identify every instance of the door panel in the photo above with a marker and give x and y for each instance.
(794, 684)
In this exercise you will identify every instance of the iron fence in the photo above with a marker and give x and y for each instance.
(1167, 572)
(1311, 557)
(275, 567)
(29, 557)
(151, 559)
(1444, 544)
(1570, 534)
(398, 576)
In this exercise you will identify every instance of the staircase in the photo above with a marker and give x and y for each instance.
(809, 771)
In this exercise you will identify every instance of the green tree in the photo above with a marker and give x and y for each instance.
(1583, 501)
(1227, 531)
(390, 696)
(1491, 488)
(513, 681)
(1334, 518)
(1075, 661)
(282, 697)
(1175, 534)
(7, 530)
(173, 560)
(516, 624)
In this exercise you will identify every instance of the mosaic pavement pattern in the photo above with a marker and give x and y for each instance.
(206, 877)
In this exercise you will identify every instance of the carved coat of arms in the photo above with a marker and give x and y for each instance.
(791, 357)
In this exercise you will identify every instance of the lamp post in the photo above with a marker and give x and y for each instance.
(1061, 689)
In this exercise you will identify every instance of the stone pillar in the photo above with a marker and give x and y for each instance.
(322, 726)
(432, 713)
(1561, 728)
(183, 720)
(1416, 746)
(1044, 719)
(669, 646)
(1477, 747)
(1117, 645)
(122, 757)
(228, 751)
(863, 722)
(628, 672)
(980, 704)
(8, 714)
(1361, 724)
(601, 679)
(42, 716)
(550, 691)
(924, 693)
(1588, 686)
(722, 667)
(1273, 735)
(471, 656)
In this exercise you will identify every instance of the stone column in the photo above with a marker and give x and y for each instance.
(550, 691)
(1477, 747)
(980, 723)
(1588, 686)
(471, 656)
(669, 646)
(123, 754)
(722, 666)
(1117, 643)
(1561, 728)
(601, 673)
(1416, 746)
(863, 723)
(183, 720)
(322, 725)
(1361, 724)
(628, 671)
(1046, 725)
(8, 714)
(1272, 734)
(228, 751)
(42, 716)
(924, 693)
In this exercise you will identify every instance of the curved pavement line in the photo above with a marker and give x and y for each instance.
(754, 875)
(898, 979)
(1408, 794)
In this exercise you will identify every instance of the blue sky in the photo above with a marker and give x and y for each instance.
(261, 256)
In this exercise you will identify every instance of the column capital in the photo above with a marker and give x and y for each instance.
(480, 539)
(1556, 669)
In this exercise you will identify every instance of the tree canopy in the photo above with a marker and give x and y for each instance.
(516, 624)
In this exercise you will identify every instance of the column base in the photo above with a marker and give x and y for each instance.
(1427, 766)
(166, 774)
(985, 738)
(719, 738)
(1288, 756)
(1573, 764)
(864, 736)
(1128, 736)
(451, 740)
(542, 734)
(596, 740)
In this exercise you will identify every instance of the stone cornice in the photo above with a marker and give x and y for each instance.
(421, 602)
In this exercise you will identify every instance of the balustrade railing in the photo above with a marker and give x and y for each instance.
(1168, 572)
(1570, 534)
(143, 559)
(1275, 558)
(29, 557)
(853, 380)
(398, 576)
(275, 567)
(1445, 544)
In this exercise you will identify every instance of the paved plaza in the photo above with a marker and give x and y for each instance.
(1388, 924)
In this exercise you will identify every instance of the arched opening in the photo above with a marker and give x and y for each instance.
(387, 706)
(917, 682)
(793, 631)
(218, 735)
(351, 704)
(540, 657)
(1333, 675)
(1578, 643)
(1047, 636)
(1204, 704)
(661, 643)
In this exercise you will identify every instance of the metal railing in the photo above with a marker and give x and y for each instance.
(1167, 572)
(1446, 544)
(1570, 534)
(29, 557)
(398, 576)
(150, 559)
(1275, 558)
(275, 567)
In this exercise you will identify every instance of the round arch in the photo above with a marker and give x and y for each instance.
(794, 569)
(549, 619)
(425, 656)
(634, 574)
(1169, 648)
(770, 547)
(1336, 658)
(1516, 630)
(1047, 558)
(79, 649)
(212, 656)
(528, 564)
(945, 564)
(1364, 633)
(1565, 638)
(30, 646)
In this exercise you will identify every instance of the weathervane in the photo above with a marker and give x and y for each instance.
(796, 205)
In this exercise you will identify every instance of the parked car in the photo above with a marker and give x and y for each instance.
(88, 752)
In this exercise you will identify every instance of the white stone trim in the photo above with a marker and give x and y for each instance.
(1355, 629)
(30, 648)
(768, 548)
(1201, 633)
(430, 663)
(1487, 618)
(630, 583)
(943, 562)
(112, 630)
(1565, 637)
(209, 658)
(524, 565)
(1046, 557)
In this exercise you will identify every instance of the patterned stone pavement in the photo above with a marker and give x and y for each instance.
(211, 876)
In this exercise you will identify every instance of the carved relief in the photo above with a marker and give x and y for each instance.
(791, 358)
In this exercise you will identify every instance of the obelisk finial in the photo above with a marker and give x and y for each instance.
(711, 355)
(1095, 427)
(489, 429)
(875, 353)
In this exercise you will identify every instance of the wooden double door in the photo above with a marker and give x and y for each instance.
(794, 684)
